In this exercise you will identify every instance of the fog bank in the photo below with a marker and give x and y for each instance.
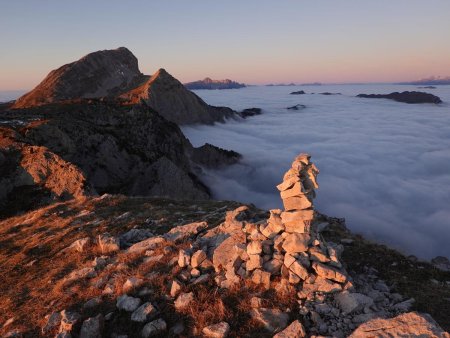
(384, 165)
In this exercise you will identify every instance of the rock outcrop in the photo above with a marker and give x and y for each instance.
(105, 73)
(410, 324)
(208, 83)
(406, 97)
(88, 147)
(115, 75)
(210, 156)
(299, 92)
(173, 101)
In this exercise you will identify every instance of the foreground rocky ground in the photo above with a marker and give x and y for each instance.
(115, 266)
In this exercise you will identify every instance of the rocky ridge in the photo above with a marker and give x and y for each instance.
(105, 73)
(114, 75)
(94, 147)
(173, 101)
(286, 279)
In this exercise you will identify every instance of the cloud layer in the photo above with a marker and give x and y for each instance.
(384, 166)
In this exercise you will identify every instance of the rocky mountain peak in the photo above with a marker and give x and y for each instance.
(103, 73)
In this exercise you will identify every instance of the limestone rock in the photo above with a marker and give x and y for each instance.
(273, 320)
(273, 266)
(352, 302)
(220, 330)
(297, 189)
(128, 303)
(329, 272)
(131, 284)
(183, 300)
(294, 330)
(254, 262)
(299, 270)
(184, 258)
(261, 277)
(148, 244)
(274, 225)
(154, 328)
(298, 202)
(92, 327)
(296, 242)
(412, 324)
(144, 313)
(254, 248)
(197, 258)
(134, 236)
(183, 232)
(175, 288)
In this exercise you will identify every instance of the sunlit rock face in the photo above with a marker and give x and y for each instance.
(104, 73)
(172, 100)
(115, 75)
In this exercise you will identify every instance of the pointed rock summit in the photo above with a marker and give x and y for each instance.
(115, 74)
(104, 73)
(171, 99)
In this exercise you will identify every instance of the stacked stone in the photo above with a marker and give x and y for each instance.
(287, 244)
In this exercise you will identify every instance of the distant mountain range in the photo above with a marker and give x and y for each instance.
(431, 81)
(208, 83)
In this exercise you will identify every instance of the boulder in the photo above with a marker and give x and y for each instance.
(412, 324)
(294, 330)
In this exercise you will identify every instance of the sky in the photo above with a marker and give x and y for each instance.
(254, 42)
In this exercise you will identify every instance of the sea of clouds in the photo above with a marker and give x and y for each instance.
(384, 165)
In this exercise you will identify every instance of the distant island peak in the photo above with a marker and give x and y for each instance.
(208, 83)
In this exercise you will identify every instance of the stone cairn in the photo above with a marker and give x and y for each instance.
(287, 245)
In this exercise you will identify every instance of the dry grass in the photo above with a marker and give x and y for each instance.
(33, 262)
